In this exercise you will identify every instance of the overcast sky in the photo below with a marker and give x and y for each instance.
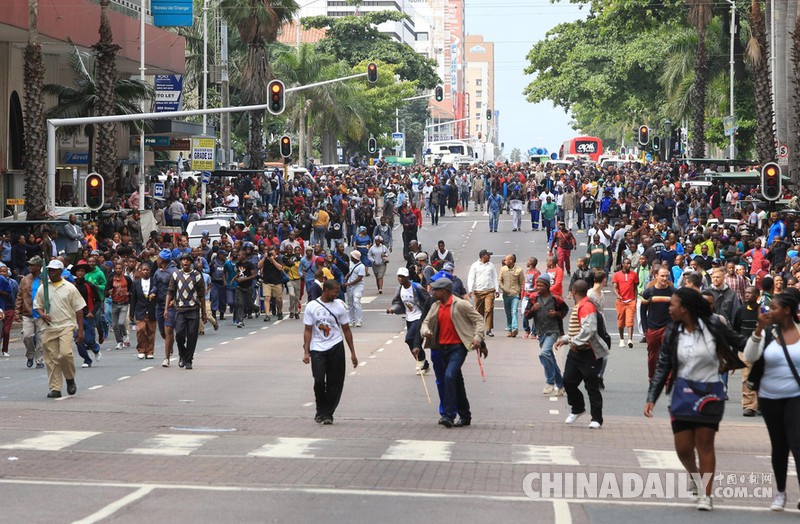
(514, 26)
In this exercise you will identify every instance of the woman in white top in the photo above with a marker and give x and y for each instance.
(778, 388)
(378, 255)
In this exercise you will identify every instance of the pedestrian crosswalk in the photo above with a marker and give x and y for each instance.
(184, 445)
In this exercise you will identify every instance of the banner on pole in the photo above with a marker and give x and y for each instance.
(169, 89)
(202, 153)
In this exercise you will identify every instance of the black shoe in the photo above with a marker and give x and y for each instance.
(54, 394)
(187, 365)
(30, 362)
(749, 413)
(462, 423)
(601, 384)
(318, 419)
(266, 318)
(222, 317)
(446, 422)
(327, 421)
(180, 363)
(71, 387)
(489, 334)
(643, 340)
(280, 316)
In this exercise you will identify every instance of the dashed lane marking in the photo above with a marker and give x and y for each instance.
(223, 343)
(171, 445)
(148, 368)
(120, 379)
(658, 459)
(553, 455)
(95, 387)
(51, 440)
(554, 412)
(421, 450)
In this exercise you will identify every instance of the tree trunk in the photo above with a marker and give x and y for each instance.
(329, 155)
(762, 86)
(309, 135)
(794, 152)
(35, 128)
(105, 133)
(301, 132)
(255, 141)
(698, 145)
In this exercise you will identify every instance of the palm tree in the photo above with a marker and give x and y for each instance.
(794, 153)
(700, 14)
(106, 52)
(35, 129)
(83, 99)
(758, 60)
(258, 22)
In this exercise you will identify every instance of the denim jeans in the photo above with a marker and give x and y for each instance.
(552, 373)
(455, 394)
(88, 341)
(511, 305)
(494, 219)
(535, 219)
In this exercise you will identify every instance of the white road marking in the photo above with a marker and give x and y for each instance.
(223, 343)
(51, 440)
(474, 224)
(252, 332)
(396, 336)
(372, 356)
(352, 373)
(307, 404)
(208, 349)
(115, 506)
(277, 322)
(423, 450)
(265, 327)
(288, 448)
(120, 379)
(554, 412)
(553, 455)
(554, 399)
(367, 300)
(658, 459)
(95, 387)
(171, 445)
(389, 342)
(380, 349)
(362, 364)
(147, 368)
(238, 338)
(562, 513)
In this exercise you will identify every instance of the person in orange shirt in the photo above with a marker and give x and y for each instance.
(90, 238)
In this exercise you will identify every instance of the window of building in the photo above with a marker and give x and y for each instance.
(422, 37)
(478, 105)
(479, 82)
(479, 93)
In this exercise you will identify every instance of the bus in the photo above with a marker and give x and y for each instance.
(581, 146)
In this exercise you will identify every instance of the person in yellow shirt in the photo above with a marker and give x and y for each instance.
(319, 221)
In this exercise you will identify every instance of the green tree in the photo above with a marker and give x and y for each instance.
(35, 129)
(516, 155)
(82, 100)
(106, 52)
(700, 13)
(257, 22)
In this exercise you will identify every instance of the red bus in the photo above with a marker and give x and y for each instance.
(590, 146)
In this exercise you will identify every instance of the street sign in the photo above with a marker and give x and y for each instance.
(202, 158)
(168, 91)
(206, 177)
(15, 201)
(158, 190)
(729, 125)
(397, 137)
(783, 151)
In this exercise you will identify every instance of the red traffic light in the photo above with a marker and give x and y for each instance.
(372, 72)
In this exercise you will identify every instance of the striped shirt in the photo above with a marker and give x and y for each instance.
(574, 324)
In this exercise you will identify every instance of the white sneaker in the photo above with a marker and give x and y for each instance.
(358, 324)
(630, 343)
(98, 355)
(572, 418)
(119, 345)
(560, 392)
(705, 503)
(621, 343)
(165, 364)
(779, 502)
(595, 425)
(140, 356)
(85, 365)
(548, 390)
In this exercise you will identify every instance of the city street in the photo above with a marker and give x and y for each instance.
(234, 439)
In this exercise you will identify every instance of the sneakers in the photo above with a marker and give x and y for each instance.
(98, 355)
(30, 363)
(423, 367)
(621, 343)
(560, 392)
(5, 353)
(165, 364)
(750, 413)
(548, 389)
(149, 357)
(693, 490)
(514, 333)
(595, 425)
(120, 345)
(86, 365)
(54, 394)
(240, 325)
(705, 503)
(40, 365)
(419, 367)
(358, 323)
(446, 422)
(572, 418)
(779, 502)
(140, 356)
(187, 365)
(266, 318)
(630, 343)
(126, 343)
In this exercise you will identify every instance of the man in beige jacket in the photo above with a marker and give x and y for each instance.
(452, 326)
(512, 282)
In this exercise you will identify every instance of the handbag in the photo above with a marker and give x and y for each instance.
(697, 401)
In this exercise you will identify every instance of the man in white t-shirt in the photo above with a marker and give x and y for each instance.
(327, 326)
(410, 300)
(354, 286)
(232, 201)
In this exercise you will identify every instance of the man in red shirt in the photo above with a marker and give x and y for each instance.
(564, 242)
(556, 276)
(625, 284)
(529, 294)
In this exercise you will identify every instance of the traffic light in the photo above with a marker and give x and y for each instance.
(488, 114)
(656, 144)
(286, 146)
(372, 145)
(644, 135)
(439, 93)
(771, 181)
(277, 97)
(95, 191)
(372, 73)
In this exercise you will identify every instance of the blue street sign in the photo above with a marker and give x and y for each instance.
(397, 137)
(171, 13)
(206, 177)
(158, 190)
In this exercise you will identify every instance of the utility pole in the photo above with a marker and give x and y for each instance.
(142, 69)
(225, 118)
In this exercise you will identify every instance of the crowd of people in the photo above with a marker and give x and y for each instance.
(700, 274)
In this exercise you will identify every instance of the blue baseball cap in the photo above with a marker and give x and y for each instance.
(165, 254)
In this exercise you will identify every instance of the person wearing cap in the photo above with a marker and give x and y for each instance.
(511, 282)
(410, 300)
(187, 293)
(8, 298)
(94, 302)
(354, 287)
(166, 323)
(482, 285)
(245, 275)
(453, 327)
(31, 322)
(422, 269)
(548, 311)
(60, 307)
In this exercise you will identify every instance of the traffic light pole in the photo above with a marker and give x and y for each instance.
(54, 123)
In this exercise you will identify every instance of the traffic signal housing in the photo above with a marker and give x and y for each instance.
(644, 135)
(286, 146)
(372, 146)
(771, 183)
(656, 144)
(95, 191)
(372, 73)
(488, 114)
(439, 93)
(277, 97)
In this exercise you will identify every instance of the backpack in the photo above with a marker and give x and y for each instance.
(602, 332)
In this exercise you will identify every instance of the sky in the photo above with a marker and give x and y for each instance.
(514, 26)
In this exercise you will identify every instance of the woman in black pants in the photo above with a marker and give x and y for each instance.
(779, 389)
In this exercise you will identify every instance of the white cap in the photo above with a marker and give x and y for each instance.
(402, 272)
(55, 264)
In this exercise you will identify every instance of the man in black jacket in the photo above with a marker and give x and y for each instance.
(143, 311)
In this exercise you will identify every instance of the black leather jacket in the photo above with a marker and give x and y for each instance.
(729, 343)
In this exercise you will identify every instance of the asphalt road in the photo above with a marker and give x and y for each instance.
(234, 439)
